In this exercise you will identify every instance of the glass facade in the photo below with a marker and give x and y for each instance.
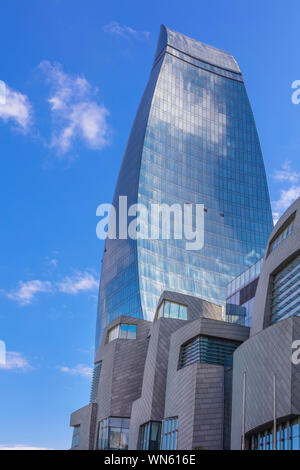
(241, 293)
(193, 141)
(169, 434)
(288, 437)
(95, 382)
(121, 331)
(245, 278)
(75, 438)
(150, 436)
(172, 310)
(113, 434)
(208, 350)
(282, 235)
(286, 292)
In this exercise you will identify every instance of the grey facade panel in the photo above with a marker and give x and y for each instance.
(264, 355)
(274, 261)
(85, 418)
(196, 393)
(150, 406)
(140, 378)
(197, 307)
(268, 352)
(123, 362)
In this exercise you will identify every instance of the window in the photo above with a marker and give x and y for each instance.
(283, 233)
(150, 436)
(113, 434)
(169, 434)
(75, 439)
(121, 331)
(209, 350)
(95, 382)
(172, 310)
(286, 292)
(288, 437)
(127, 332)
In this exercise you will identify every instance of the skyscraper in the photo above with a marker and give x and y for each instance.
(193, 141)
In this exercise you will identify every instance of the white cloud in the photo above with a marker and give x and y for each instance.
(21, 447)
(80, 369)
(287, 174)
(287, 197)
(16, 107)
(15, 361)
(78, 283)
(276, 216)
(125, 31)
(26, 291)
(75, 110)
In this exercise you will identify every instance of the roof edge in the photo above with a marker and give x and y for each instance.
(196, 49)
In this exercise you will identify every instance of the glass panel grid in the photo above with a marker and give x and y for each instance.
(282, 236)
(288, 437)
(150, 436)
(169, 434)
(208, 350)
(173, 310)
(113, 434)
(122, 331)
(95, 382)
(194, 140)
(286, 292)
(75, 439)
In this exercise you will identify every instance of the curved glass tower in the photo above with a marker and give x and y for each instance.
(193, 140)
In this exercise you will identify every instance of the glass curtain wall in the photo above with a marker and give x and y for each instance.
(193, 141)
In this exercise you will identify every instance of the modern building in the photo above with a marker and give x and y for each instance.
(193, 141)
(241, 294)
(264, 371)
(163, 359)
(162, 385)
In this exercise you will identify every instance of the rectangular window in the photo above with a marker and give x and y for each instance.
(286, 292)
(169, 309)
(287, 437)
(169, 434)
(113, 434)
(95, 382)
(75, 439)
(150, 436)
(209, 350)
(122, 331)
(283, 233)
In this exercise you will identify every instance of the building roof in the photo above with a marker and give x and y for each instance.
(196, 49)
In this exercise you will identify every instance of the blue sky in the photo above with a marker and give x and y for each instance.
(75, 71)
